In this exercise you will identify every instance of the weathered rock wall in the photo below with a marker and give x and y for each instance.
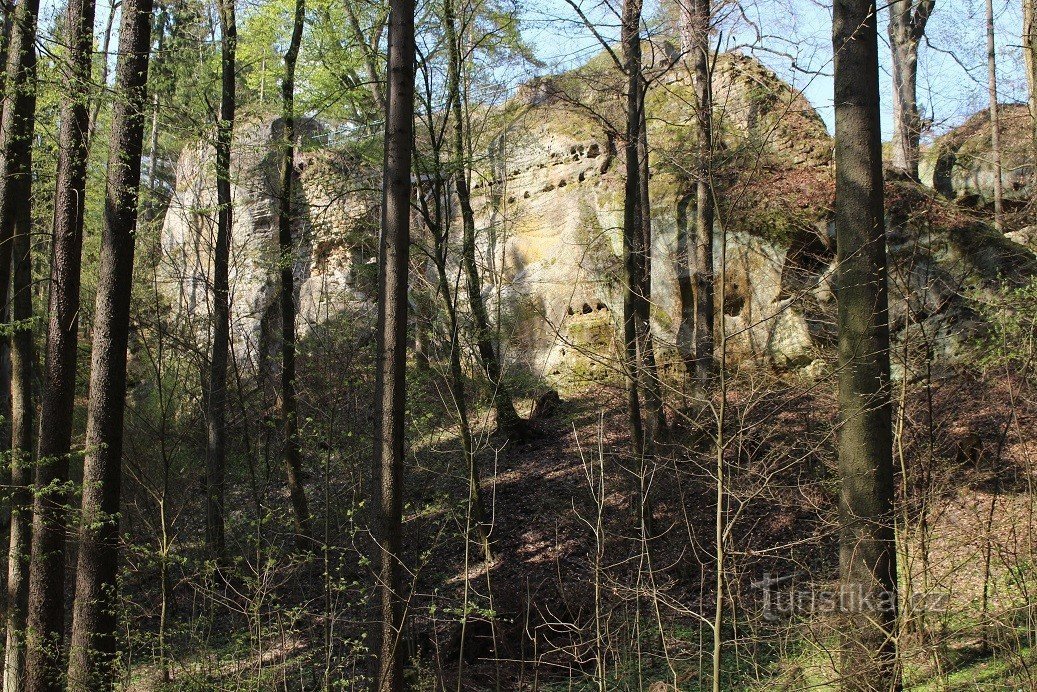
(549, 202)
(334, 230)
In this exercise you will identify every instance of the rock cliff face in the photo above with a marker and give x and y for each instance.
(556, 198)
(549, 206)
(335, 231)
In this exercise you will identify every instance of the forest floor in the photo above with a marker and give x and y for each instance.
(576, 590)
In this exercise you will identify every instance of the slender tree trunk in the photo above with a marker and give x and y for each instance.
(634, 250)
(153, 208)
(369, 47)
(7, 500)
(995, 121)
(47, 572)
(508, 420)
(695, 277)
(907, 20)
(867, 553)
(16, 132)
(1030, 58)
(391, 381)
(216, 420)
(106, 44)
(92, 657)
(289, 401)
(457, 392)
(654, 418)
(22, 359)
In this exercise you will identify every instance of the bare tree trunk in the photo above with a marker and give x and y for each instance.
(106, 44)
(93, 647)
(907, 20)
(47, 572)
(439, 224)
(153, 208)
(391, 381)
(634, 301)
(292, 451)
(654, 417)
(369, 48)
(695, 274)
(22, 359)
(508, 420)
(16, 131)
(457, 392)
(995, 121)
(1030, 58)
(7, 500)
(867, 550)
(216, 449)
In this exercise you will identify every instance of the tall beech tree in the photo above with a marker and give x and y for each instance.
(95, 613)
(390, 378)
(867, 550)
(46, 620)
(508, 420)
(907, 20)
(216, 419)
(16, 131)
(633, 238)
(289, 405)
(695, 276)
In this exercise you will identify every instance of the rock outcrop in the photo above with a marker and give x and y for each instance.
(960, 164)
(549, 202)
(334, 234)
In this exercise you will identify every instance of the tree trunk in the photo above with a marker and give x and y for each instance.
(16, 131)
(22, 360)
(390, 385)
(216, 449)
(457, 393)
(508, 420)
(867, 557)
(634, 303)
(7, 500)
(695, 250)
(289, 404)
(1030, 57)
(995, 121)
(907, 20)
(457, 388)
(93, 647)
(106, 44)
(59, 374)
(654, 418)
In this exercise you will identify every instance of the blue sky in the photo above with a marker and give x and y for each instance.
(794, 39)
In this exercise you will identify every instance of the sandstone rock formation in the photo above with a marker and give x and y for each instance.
(960, 165)
(549, 204)
(334, 235)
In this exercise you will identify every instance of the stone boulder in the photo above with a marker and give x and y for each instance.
(959, 165)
